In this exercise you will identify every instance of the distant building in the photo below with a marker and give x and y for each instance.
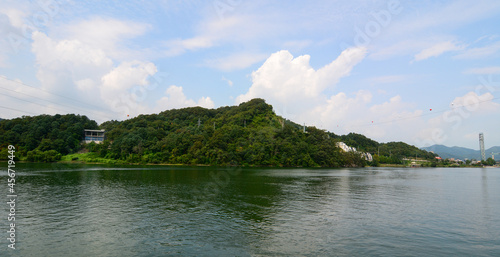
(96, 136)
(367, 156)
(346, 148)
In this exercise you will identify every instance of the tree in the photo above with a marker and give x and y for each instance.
(489, 162)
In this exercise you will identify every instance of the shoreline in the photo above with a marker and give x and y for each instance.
(120, 162)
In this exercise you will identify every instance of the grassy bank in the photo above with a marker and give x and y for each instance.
(89, 158)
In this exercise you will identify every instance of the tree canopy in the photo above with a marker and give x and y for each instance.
(248, 134)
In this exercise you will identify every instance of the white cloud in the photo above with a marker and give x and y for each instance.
(386, 79)
(437, 50)
(396, 49)
(473, 102)
(210, 33)
(339, 109)
(466, 115)
(107, 34)
(296, 91)
(283, 78)
(99, 84)
(229, 82)
(480, 52)
(236, 61)
(179, 46)
(61, 63)
(423, 26)
(175, 98)
(126, 76)
(484, 70)
(444, 15)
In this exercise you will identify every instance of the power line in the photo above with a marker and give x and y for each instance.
(42, 99)
(59, 104)
(32, 102)
(26, 85)
(425, 114)
(85, 111)
(17, 110)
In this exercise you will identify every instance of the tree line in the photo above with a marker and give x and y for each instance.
(248, 134)
(44, 138)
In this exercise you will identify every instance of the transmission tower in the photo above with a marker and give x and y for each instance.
(481, 146)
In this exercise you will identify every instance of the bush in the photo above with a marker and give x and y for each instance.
(43, 156)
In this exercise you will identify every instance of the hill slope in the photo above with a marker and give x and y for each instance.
(248, 134)
(460, 152)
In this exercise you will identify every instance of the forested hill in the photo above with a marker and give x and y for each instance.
(51, 135)
(248, 134)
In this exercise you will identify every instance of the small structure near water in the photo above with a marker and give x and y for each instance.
(96, 136)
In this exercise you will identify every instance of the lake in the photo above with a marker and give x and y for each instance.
(102, 210)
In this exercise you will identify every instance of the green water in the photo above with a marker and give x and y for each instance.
(98, 210)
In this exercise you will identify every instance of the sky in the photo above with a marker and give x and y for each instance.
(421, 72)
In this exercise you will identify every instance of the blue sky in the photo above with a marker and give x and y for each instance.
(422, 72)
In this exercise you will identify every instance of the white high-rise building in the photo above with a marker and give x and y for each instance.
(481, 146)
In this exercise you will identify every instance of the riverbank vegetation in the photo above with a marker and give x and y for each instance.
(250, 134)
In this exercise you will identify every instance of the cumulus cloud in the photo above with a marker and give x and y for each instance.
(297, 92)
(69, 66)
(459, 120)
(127, 75)
(343, 114)
(175, 98)
(476, 103)
(283, 78)
(98, 82)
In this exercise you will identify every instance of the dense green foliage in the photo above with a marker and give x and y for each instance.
(44, 137)
(489, 162)
(388, 153)
(248, 134)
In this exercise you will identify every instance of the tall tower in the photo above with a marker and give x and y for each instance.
(481, 146)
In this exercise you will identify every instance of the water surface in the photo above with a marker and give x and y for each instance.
(99, 210)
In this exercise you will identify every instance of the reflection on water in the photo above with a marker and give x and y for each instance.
(97, 210)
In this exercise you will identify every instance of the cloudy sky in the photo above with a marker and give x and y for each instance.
(422, 72)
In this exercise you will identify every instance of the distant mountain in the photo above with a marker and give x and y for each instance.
(460, 152)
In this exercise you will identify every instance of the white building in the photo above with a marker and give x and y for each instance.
(346, 148)
(96, 136)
